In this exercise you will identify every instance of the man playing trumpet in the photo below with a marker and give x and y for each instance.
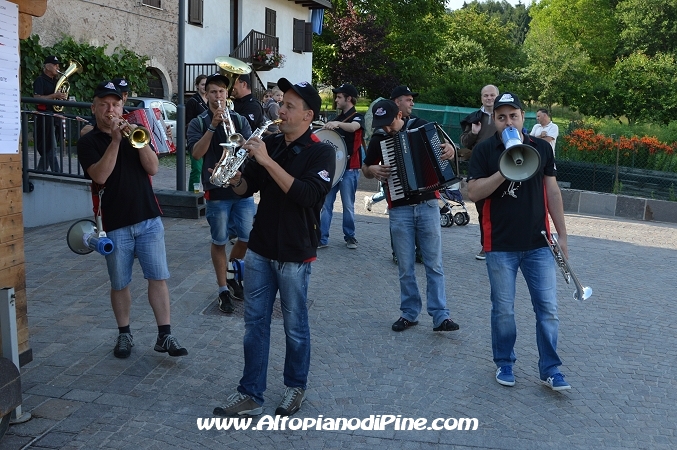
(205, 134)
(123, 196)
(515, 213)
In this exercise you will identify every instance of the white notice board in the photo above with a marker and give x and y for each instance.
(10, 101)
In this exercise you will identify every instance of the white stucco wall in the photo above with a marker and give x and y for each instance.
(204, 44)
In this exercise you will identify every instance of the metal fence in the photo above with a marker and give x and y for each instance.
(49, 140)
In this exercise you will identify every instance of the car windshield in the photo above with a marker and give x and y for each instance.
(170, 111)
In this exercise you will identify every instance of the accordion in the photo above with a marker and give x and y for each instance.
(414, 156)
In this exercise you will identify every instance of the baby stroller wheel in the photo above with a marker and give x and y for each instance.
(459, 219)
(467, 218)
(445, 220)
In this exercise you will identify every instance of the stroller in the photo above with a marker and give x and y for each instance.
(451, 198)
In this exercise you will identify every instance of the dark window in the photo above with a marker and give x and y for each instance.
(299, 36)
(155, 3)
(308, 42)
(195, 8)
(271, 27)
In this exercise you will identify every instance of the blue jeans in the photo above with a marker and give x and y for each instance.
(146, 239)
(264, 278)
(226, 216)
(347, 186)
(409, 224)
(539, 271)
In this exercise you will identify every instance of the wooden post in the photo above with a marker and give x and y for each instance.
(12, 260)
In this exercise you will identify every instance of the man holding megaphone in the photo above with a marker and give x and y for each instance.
(514, 174)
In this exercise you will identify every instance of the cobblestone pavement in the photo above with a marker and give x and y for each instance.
(618, 349)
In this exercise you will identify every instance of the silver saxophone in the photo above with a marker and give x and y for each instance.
(582, 293)
(231, 160)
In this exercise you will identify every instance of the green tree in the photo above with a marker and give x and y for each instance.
(648, 25)
(558, 70)
(643, 87)
(590, 24)
(411, 32)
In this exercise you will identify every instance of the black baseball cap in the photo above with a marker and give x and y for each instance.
(346, 88)
(121, 84)
(51, 59)
(107, 88)
(507, 98)
(402, 90)
(305, 90)
(245, 78)
(384, 112)
(217, 77)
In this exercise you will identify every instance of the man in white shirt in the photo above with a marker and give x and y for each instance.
(545, 128)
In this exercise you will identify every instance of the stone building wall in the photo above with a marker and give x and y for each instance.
(144, 29)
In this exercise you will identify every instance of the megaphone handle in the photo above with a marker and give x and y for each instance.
(99, 222)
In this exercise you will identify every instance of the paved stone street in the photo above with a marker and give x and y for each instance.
(619, 349)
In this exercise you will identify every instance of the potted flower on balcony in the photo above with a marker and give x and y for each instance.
(269, 57)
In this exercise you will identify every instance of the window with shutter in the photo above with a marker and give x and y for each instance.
(308, 38)
(271, 18)
(299, 36)
(195, 12)
(154, 3)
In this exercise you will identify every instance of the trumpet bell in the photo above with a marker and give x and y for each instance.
(519, 161)
(139, 137)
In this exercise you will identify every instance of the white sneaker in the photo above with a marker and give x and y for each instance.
(368, 202)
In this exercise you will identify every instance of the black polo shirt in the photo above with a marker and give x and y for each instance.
(251, 109)
(44, 85)
(128, 196)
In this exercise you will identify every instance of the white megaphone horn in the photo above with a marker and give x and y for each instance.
(83, 237)
(519, 161)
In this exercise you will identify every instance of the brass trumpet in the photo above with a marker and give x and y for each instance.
(138, 137)
(582, 293)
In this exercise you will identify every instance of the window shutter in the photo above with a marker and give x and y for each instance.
(271, 18)
(195, 12)
(308, 38)
(299, 35)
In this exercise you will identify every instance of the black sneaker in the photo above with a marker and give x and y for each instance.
(225, 303)
(447, 325)
(402, 324)
(123, 345)
(169, 344)
(235, 288)
(291, 401)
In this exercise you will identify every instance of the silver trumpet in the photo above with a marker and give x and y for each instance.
(231, 160)
(581, 293)
(235, 139)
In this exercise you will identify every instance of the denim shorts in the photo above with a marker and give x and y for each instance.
(146, 240)
(236, 215)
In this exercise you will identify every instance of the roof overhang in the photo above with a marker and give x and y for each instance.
(314, 4)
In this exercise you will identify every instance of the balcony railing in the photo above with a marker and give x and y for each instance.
(254, 43)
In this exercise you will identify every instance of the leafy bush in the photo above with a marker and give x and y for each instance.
(97, 66)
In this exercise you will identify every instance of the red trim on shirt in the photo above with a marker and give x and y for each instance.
(486, 224)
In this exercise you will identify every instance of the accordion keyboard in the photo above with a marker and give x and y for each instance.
(395, 183)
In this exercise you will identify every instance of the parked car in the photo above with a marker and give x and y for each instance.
(168, 109)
